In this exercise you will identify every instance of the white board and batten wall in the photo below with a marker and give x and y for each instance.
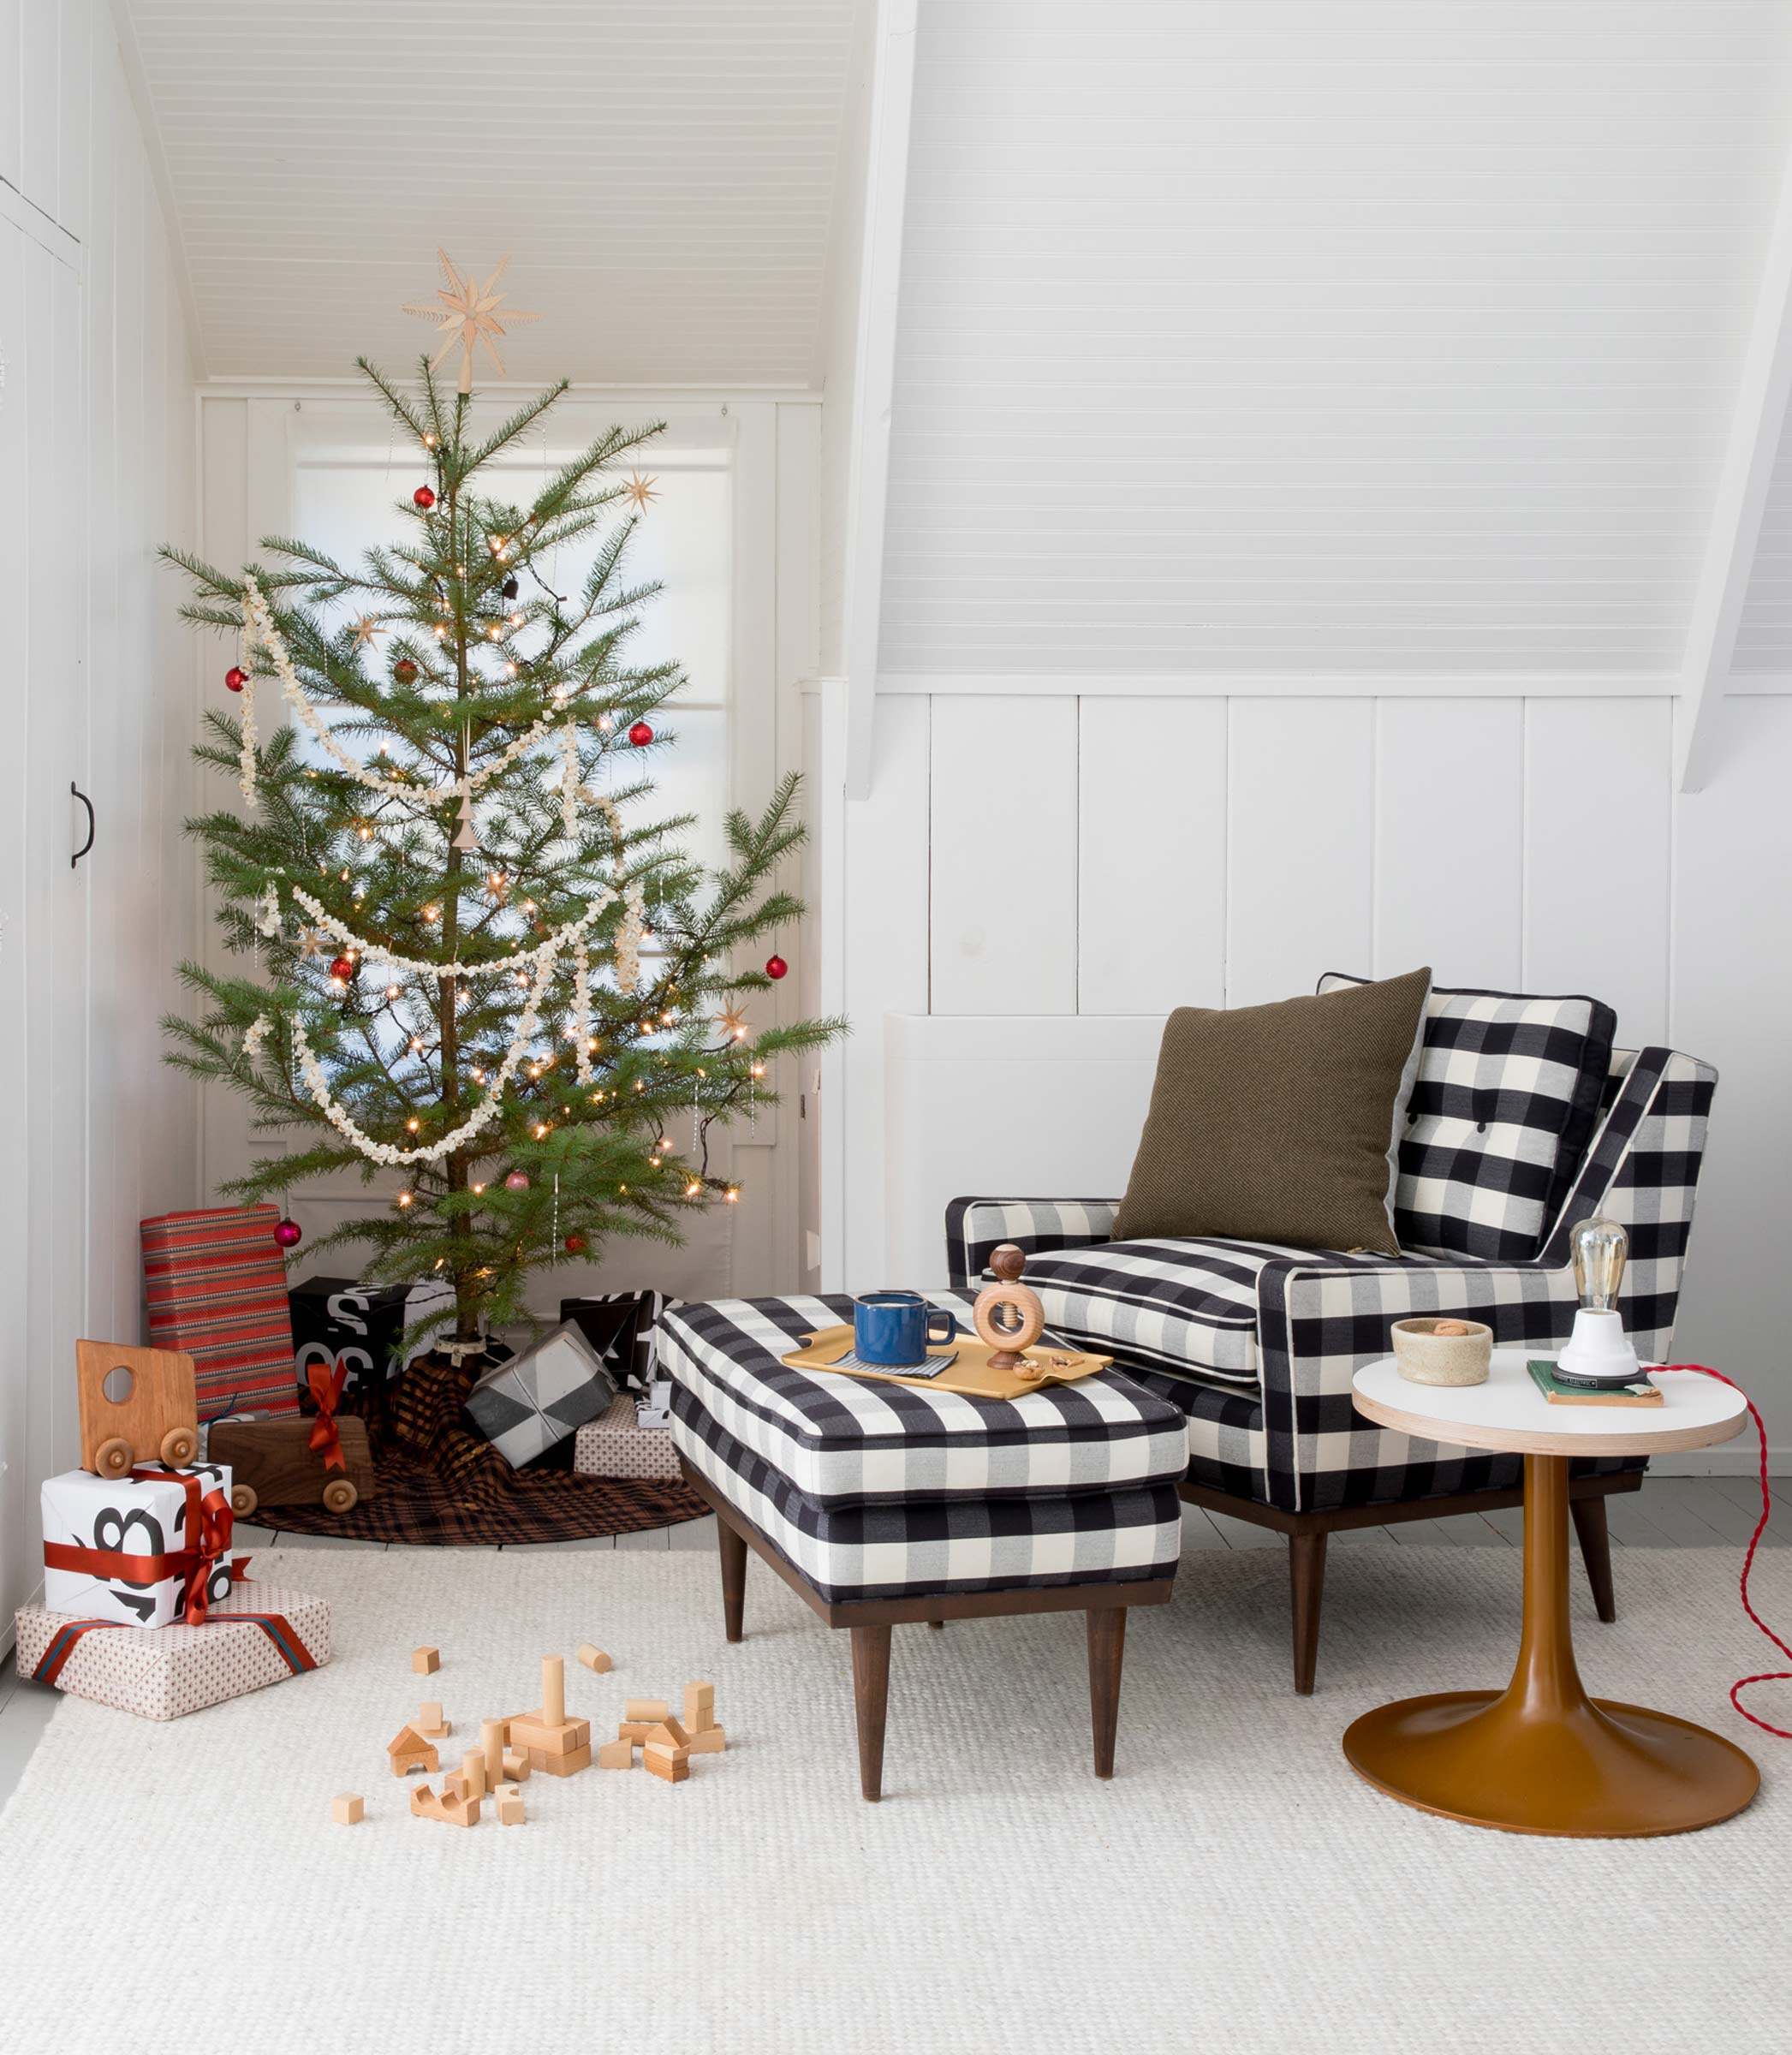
(1302, 449)
(96, 471)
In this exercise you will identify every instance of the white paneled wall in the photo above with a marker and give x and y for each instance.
(96, 471)
(1279, 335)
(1037, 878)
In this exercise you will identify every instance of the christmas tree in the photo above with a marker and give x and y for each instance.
(473, 966)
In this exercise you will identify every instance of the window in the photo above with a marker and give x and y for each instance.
(347, 486)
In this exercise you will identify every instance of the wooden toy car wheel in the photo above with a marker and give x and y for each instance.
(243, 1500)
(114, 1457)
(339, 1494)
(178, 1447)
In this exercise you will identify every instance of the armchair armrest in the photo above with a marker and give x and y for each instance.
(976, 1226)
(1320, 1317)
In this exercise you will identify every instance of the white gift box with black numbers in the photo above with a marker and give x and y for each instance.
(122, 1548)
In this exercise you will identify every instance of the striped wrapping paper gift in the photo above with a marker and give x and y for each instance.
(217, 1285)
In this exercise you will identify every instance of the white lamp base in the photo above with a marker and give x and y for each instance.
(1599, 1355)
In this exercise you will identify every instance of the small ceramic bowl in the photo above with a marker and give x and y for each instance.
(1423, 1356)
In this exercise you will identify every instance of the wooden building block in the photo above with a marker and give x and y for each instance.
(560, 1766)
(713, 1740)
(425, 1660)
(671, 1731)
(460, 1812)
(553, 1690)
(699, 1707)
(667, 1771)
(346, 1809)
(635, 1729)
(616, 1755)
(558, 1738)
(408, 1750)
(492, 1743)
(473, 1768)
(506, 1791)
(454, 1785)
(649, 1709)
(594, 1658)
(516, 1764)
(424, 1802)
(510, 1811)
(429, 1721)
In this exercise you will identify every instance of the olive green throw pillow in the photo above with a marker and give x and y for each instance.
(1280, 1124)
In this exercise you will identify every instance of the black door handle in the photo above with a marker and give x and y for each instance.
(88, 844)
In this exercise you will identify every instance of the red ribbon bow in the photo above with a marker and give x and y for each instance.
(325, 1438)
(210, 1522)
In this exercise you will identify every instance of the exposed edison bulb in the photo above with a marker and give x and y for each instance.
(1601, 1249)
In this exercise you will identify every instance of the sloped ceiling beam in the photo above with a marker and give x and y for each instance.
(867, 492)
(1735, 529)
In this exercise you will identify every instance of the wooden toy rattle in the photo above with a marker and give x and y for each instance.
(1008, 1314)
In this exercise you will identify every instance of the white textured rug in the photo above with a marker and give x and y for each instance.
(1236, 1886)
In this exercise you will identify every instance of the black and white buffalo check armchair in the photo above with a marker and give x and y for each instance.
(1524, 1120)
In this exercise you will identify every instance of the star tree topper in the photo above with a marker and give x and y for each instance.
(467, 313)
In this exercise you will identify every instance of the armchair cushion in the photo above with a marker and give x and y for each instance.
(1184, 1306)
(1504, 1104)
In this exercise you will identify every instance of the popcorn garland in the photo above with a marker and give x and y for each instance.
(258, 629)
(556, 942)
(582, 1012)
(628, 939)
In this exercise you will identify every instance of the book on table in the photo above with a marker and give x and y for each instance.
(1543, 1375)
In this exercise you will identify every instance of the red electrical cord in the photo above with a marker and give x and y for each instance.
(1766, 1676)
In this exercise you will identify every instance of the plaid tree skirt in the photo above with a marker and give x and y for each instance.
(442, 1482)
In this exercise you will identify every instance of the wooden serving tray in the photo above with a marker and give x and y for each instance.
(970, 1375)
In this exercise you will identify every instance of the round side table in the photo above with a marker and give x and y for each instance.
(1541, 1757)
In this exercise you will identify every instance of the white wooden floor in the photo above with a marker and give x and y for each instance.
(1669, 1512)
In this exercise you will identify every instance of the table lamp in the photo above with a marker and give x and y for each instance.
(1599, 1357)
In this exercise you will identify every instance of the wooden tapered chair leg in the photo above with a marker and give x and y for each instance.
(1306, 1575)
(1107, 1649)
(870, 1699)
(731, 1553)
(1594, 1536)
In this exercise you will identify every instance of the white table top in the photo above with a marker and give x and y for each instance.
(1509, 1412)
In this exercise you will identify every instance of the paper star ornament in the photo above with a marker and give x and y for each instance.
(641, 490)
(733, 1024)
(466, 313)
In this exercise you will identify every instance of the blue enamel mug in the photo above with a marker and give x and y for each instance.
(892, 1328)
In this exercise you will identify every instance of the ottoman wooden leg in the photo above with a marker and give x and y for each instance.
(731, 1552)
(1107, 1648)
(871, 1696)
(936, 1622)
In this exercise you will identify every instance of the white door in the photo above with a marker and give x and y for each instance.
(44, 941)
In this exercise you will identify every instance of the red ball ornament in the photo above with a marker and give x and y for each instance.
(342, 969)
(518, 1181)
(404, 670)
(576, 1245)
(236, 677)
(775, 967)
(640, 735)
(424, 497)
(289, 1234)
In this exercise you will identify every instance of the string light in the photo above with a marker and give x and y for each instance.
(412, 1126)
(477, 1189)
(405, 1198)
(692, 1189)
(731, 1194)
(391, 992)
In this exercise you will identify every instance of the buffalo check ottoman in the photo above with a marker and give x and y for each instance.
(883, 1504)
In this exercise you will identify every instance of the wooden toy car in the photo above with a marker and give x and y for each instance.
(137, 1405)
(272, 1462)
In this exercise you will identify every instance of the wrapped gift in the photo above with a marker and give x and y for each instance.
(338, 1325)
(621, 1326)
(525, 1406)
(216, 1280)
(143, 1550)
(257, 1634)
(617, 1445)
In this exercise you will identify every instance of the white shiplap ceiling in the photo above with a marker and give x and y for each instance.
(661, 171)
(1284, 336)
